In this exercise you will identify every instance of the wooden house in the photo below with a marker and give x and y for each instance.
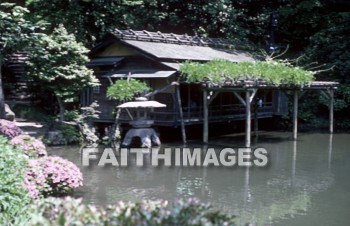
(155, 58)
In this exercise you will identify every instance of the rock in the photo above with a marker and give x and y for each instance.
(55, 137)
(9, 114)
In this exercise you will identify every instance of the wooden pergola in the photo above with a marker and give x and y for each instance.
(251, 87)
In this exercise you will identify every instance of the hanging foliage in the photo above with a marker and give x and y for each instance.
(125, 90)
(272, 72)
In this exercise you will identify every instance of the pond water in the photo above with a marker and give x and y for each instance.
(306, 182)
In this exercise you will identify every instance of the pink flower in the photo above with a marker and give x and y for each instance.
(32, 147)
(9, 129)
(51, 176)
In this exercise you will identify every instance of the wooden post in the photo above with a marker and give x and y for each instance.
(205, 116)
(331, 110)
(183, 130)
(189, 102)
(295, 115)
(248, 119)
(256, 121)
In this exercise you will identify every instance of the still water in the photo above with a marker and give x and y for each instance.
(306, 182)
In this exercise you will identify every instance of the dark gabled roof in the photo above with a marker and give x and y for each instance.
(158, 37)
(176, 52)
(178, 48)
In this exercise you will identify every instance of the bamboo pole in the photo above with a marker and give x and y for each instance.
(248, 119)
(205, 116)
(295, 115)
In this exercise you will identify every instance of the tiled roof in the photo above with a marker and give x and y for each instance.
(179, 48)
(185, 39)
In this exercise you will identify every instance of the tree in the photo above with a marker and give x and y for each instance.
(88, 20)
(57, 63)
(14, 33)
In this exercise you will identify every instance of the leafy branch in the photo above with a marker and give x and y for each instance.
(271, 71)
(125, 90)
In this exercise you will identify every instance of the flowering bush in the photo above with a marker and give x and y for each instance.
(29, 145)
(52, 175)
(9, 129)
(53, 211)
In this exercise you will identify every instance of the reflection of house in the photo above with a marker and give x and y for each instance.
(155, 58)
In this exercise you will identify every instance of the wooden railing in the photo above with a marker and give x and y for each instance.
(194, 115)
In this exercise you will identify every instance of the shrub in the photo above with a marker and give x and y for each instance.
(9, 129)
(72, 212)
(70, 133)
(125, 90)
(29, 145)
(13, 196)
(71, 116)
(52, 175)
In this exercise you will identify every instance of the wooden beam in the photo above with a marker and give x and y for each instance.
(212, 97)
(174, 83)
(295, 115)
(205, 116)
(331, 110)
(110, 80)
(248, 119)
(240, 98)
(325, 94)
(129, 114)
(253, 95)
(182, 122)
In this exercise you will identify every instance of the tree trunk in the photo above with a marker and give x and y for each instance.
(62, 109)
(2, 98)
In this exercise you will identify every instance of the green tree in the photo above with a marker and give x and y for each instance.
(14, 33)
(57, 63)
(240, 20)
(88, 20)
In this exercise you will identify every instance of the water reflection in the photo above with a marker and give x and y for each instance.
(330, 147)
(298, 172)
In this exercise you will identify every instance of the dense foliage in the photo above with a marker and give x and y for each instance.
(88, 20)
(126, 90)
(73, 212)
(271, 72)
(13, 196)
